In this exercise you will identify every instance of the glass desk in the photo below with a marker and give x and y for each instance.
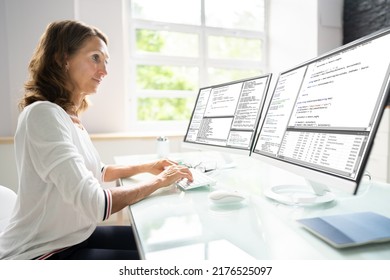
(173, 224)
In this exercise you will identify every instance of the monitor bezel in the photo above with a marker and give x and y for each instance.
(346, 185)
(228, 149)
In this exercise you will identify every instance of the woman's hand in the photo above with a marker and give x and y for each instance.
(171, 172)
(159, 166)
(174, 173)
(114, 172)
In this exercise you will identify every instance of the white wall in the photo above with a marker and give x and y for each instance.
(292, 27)
(5, 103)
(330, 25)
(108, 113)
(23, 22)
(300, 30)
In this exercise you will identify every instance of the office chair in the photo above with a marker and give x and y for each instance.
(7, 203)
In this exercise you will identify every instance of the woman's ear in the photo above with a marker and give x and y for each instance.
(62, 61)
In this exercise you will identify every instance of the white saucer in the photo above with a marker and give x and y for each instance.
(297, 195)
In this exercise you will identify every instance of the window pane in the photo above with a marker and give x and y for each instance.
(175, 11)
(219, 75)
(164, 109)
(167, 43)
(234, 48)
(243, 14)
(171, 53)
(167, 77)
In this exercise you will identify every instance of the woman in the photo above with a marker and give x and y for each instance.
(60, 197)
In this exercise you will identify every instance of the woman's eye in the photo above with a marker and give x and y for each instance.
(95, 57)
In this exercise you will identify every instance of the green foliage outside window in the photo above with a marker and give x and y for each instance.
(149, 40)
(164, 78)
(155, 77)
(164, 109)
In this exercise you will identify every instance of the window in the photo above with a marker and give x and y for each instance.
(178, 46)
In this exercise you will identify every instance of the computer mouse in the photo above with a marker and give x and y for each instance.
(226, 196)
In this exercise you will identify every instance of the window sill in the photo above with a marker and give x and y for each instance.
(115, 136)
(6, 140)
(139, 135)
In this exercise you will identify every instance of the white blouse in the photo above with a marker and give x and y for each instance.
(60, 196)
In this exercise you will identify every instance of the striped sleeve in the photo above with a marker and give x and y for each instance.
(108, 204)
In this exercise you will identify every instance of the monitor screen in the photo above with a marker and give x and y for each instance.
(323, 115)
(226, 116)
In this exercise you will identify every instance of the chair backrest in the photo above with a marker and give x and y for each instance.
(7, 203)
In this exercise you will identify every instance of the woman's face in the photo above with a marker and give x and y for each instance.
(88, 67)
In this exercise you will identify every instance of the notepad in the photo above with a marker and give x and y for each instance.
(349, 230)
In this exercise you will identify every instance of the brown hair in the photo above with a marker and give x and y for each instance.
(48, 74)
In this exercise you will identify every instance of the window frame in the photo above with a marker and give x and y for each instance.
(202, 62)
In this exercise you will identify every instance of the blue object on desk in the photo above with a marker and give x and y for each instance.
(349, 230)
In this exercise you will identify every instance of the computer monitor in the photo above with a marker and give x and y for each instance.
(323, 116)
(226, 116)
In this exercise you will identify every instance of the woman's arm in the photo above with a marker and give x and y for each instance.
(124, 195)
(114, 172)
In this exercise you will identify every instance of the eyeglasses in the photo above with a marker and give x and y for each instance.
(203, 166)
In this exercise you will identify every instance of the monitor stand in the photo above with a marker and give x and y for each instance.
(311, 194)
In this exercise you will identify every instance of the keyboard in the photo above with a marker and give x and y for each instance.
(200, 180)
